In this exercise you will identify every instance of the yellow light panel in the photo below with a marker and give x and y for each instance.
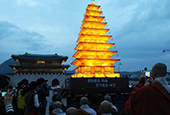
(93, 13)
(93, 25)
(96, 75)
(94, 62)
(94, 46)
(93, 8)
(93, 19)
(92, 38)
(93, 31)
(94, 54)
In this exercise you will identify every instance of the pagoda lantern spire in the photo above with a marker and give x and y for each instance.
(93, 57)
(92, 2)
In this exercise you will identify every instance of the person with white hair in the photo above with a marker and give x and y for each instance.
(85, 109)
(57, 109)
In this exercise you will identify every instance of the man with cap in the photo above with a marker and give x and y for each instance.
(43, 92)
(57, 109)
(85, 109)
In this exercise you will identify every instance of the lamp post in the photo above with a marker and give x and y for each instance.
(165, 50)
(119, 66)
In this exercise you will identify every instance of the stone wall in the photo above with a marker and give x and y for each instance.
(15, 78)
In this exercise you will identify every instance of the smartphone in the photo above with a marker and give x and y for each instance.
(3, 94)
(147, 74)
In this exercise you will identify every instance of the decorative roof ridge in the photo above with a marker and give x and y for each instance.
(97, 59)
(98, 43)
(97, 35)
(97, 51)
(95, 22)
(95, 28)
(38, 55)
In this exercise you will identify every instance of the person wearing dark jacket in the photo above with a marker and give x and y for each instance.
(43, 92)
(6, 107)
(31, 100)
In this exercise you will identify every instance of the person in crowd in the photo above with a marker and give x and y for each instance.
(113, 107)
(106, 108)
(26, 88)
(57, 109)
(55, 98)
(154, 98)
(71, 111)
(95, 103)
(73, 102)
(126, 109)
(43, 92)
(21, 99)
(109, 99)
(85, 109)
(6, 101)
(31, 100)
(119, 101)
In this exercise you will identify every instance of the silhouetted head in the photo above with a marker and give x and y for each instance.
(84, 100)
(105, 107)
(57, 104)
(108, 98)
(71, 111)
(159, 70)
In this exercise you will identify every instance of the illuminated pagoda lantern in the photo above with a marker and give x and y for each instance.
(36, 63)
(93, 57)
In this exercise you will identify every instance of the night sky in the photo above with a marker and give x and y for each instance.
(140, 29)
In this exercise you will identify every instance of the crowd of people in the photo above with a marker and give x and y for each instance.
(30, 99)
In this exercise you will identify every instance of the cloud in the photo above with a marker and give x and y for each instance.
(141, 40)
(14, 39)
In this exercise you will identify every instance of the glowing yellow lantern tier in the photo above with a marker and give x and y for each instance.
(93, 57)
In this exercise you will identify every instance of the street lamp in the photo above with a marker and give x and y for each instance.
(119, 66)
(165, 50)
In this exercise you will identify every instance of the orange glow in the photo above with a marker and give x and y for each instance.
(93, 57)
(93, 62)
(93, 31)
(93, 25)
(93, 13)
(93, 39)
(93, 8)
(94, 54)
(94, 46)
(93, 19)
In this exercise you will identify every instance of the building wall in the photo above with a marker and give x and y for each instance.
(15, 78)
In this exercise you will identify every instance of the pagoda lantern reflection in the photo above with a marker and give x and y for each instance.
(93, 57)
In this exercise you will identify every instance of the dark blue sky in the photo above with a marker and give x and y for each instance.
(140, 29)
